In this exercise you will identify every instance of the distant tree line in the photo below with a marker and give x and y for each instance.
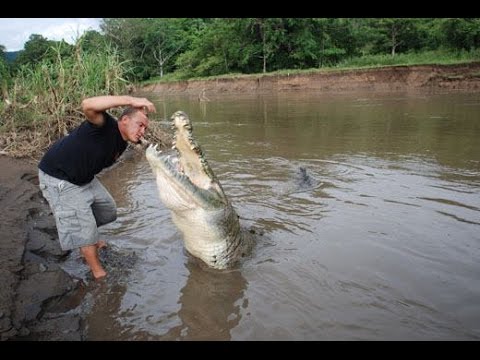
(199, 47)
(207, 47)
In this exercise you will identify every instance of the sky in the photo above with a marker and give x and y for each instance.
(14, 32)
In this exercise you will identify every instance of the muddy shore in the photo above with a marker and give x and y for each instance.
(33, 287)
(39, 300)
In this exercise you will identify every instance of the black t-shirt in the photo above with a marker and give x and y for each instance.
(82, 154)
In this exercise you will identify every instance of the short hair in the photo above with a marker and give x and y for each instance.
(129, 111)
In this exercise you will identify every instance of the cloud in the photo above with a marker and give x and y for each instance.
(14, 32)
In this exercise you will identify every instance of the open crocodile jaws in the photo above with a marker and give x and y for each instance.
(190, 190)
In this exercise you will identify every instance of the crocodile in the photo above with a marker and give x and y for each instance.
(199, 207)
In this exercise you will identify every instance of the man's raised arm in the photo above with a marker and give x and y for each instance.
(94, 107)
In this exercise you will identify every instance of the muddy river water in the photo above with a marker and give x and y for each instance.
(368, 211)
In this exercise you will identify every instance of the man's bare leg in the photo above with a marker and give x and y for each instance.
(91, 257)
(100, 245)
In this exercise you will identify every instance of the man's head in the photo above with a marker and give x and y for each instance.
(132, 124)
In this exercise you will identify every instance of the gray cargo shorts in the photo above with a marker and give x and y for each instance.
(78, 210)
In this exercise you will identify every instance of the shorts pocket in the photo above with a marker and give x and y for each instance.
(68, 227)
(67, 221)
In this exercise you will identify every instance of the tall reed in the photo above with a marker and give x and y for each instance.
(43, 103)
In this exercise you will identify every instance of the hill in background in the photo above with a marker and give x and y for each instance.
(10, 56)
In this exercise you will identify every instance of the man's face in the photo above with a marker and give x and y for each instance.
(135, 126)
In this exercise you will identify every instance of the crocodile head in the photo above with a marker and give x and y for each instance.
(184, 178)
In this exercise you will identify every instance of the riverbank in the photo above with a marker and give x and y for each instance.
(33, 286)
(464, 77)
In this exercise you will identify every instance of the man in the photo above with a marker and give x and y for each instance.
(67, 172)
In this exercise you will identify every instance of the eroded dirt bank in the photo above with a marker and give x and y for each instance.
(391, 78)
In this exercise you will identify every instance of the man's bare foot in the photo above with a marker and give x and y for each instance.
(89, 252)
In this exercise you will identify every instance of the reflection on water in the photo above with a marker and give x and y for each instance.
(370, 209)
(210, 304)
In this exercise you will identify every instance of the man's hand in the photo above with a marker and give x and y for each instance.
(144, 104)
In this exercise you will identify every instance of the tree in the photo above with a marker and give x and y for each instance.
(4, 73)
(93, 41)
(395, 32)
(35, 49)
(461, 33)
(164, 40)
(39, 48)
(128, 36)
(268, 34)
